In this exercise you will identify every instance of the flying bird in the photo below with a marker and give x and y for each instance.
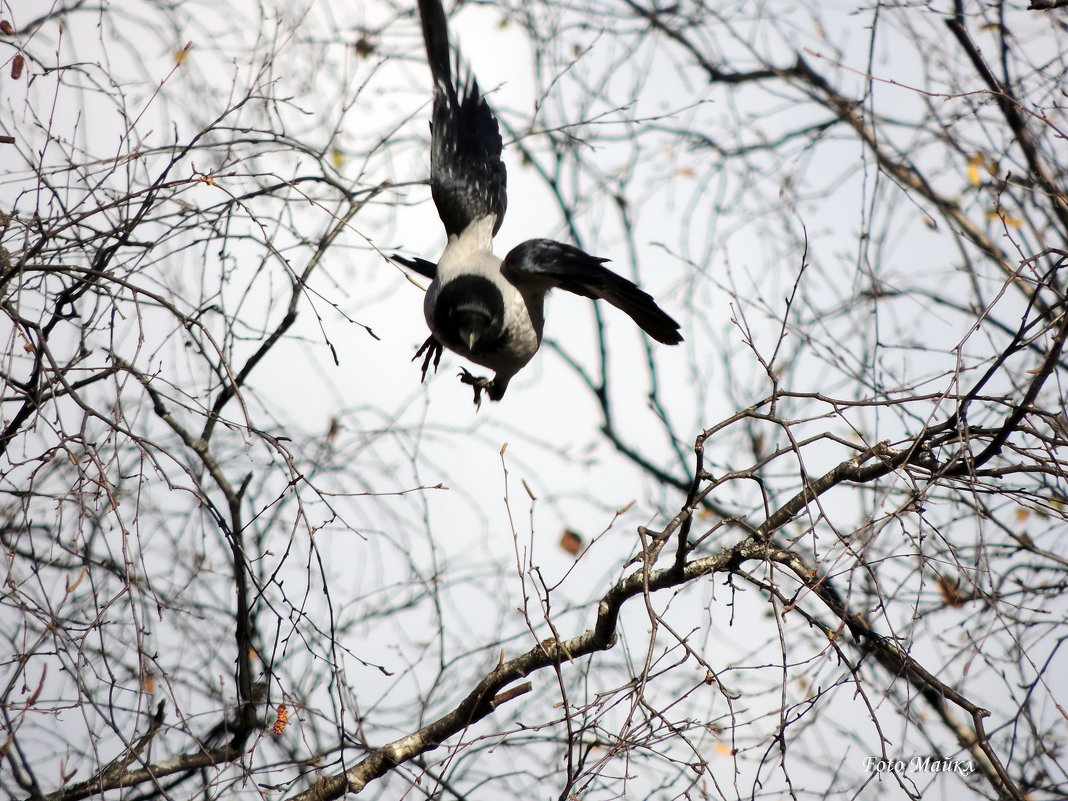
(489, 310)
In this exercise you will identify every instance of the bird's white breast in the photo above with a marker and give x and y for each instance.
(471, 253)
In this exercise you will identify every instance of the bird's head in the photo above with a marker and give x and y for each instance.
(473, 323)
(469, 312)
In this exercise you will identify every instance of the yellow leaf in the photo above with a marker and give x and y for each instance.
(77, 581)
(974, 163)
(998, 214)
(181, 55)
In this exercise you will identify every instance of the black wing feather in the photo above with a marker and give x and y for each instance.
(467, 177)
(542, 264)
(425, 268)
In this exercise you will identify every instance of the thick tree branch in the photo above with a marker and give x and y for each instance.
(480, 702)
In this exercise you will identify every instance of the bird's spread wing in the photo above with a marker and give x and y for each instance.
(467, 176)
(542, 264)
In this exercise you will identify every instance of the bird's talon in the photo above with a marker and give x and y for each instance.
(432, 348)
(477, 382)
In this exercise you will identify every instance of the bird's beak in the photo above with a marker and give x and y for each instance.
(472, 337)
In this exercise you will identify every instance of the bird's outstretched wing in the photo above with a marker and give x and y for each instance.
(467, 176)
(542, 264)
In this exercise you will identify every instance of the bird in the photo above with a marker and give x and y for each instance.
(489, 310)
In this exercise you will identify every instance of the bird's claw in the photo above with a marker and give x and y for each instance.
(432, 348)
(478, 383)
(431, 351)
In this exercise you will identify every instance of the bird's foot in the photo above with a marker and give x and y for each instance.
(432, 348)
(478, 383)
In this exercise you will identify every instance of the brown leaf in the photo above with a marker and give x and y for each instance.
(951, 594)
(571, 542)
(281, 719)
